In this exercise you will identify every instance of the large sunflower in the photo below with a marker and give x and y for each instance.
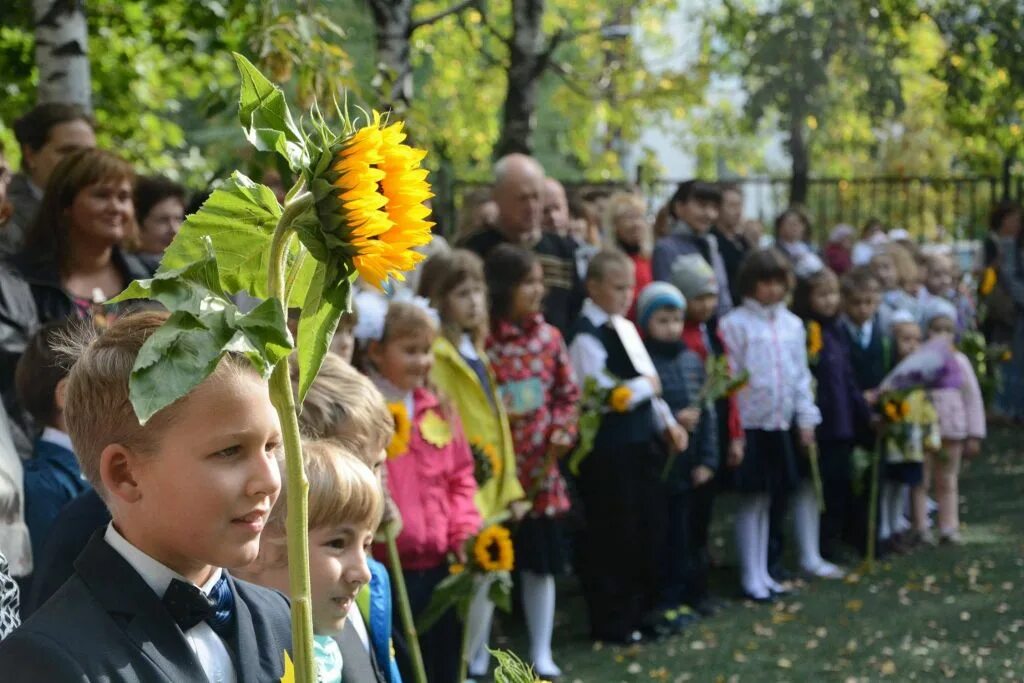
(403, 430)
(493, 549)
(371, 201)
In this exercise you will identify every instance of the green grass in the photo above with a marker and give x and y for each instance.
(937, 614)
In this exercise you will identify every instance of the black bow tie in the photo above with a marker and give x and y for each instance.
(188, 605)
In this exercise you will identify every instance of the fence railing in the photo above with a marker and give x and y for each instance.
(929, 207)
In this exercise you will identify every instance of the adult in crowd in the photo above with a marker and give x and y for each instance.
(159, 211)
(478, 212)
(72, 260)
(872, 236)
(792, 228)
(556, 208)
(627, 229)
(519, 194)
(1004, 303)
(692, 211)
(839, 250)
(732, 243)
(46, 133)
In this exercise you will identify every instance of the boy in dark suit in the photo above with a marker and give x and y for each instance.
(189, 493)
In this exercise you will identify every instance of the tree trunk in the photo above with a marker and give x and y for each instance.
(62, 52)
(394, 84)
(526, 64)
(799, 156)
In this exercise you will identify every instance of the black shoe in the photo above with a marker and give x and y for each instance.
(770, 598)
(708, 607)
(781, 574)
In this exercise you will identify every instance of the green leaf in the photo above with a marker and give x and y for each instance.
(267, 325)
(325, 303)
(239, 220)
(172, 362)
(266, 119)
(448, 593)
(500, 591)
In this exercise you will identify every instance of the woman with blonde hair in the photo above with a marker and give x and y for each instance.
(628, 229)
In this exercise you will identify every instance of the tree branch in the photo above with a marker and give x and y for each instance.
(563, 74)
(454, 9)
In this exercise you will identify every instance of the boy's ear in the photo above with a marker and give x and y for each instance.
(60, 393)
(118, 473)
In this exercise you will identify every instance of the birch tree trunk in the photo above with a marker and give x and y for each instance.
(393, 20)
(62, 52)
(527, 61)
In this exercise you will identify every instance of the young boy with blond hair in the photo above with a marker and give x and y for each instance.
(345, 505)
(189, 493)
(345, 406)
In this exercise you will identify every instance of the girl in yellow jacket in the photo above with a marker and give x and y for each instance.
(454, 283)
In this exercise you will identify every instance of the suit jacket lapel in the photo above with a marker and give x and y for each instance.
(251, 662)
(134, 605)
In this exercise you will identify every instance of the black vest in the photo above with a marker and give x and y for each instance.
(618, 429)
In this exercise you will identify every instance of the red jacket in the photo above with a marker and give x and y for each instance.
(644, 277)
(693, 337)
(434, 489)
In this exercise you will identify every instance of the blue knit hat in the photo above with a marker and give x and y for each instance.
(654, 296)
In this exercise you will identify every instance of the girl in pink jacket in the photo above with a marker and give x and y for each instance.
(429, 476)
(962, 423)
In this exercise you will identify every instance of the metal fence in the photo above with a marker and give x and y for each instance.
(929, 207)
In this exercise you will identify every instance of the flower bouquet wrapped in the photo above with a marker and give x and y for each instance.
(596, 402)
(933, 366)
(490, 560)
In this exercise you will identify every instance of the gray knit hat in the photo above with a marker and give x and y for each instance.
(693, 276)
(936, 307)
(654, 296)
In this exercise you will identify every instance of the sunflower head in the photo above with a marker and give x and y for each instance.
(814, 342)
(370, 191)
(403, 430)
(619, 398)
(988, 281)
(493, 549)
(892, 411)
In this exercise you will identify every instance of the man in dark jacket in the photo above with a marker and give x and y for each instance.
(519, 193)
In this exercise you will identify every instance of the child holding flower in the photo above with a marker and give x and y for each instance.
(770, 343)
(429, 473)
(615, 478)
(961, 420)
(537, 385)
(844, 413)
(454, 283)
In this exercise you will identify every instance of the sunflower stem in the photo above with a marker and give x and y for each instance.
(405, 608)
(297, 489)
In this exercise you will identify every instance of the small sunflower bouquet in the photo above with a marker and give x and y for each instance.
(984, 359)
(814, 342)
(490, 560)
(719, 383)
(596, 401)
(486, 461)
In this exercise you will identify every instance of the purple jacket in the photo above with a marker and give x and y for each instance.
(843, 410)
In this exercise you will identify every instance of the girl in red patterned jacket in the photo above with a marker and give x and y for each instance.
(536, 382)
(429, 476)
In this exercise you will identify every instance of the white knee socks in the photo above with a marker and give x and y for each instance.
(807, 523)
(752, 545)
(539, 608)
(478, 625)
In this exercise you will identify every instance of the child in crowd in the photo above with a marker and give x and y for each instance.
(907, 295)
(844, 414)
(792, 229)
(838, 253)
(627, 229)
(682, 576)
(536, 383)
(697, 282)
(345, 505)
(52, 476)
(768, 341)
(344, 405)
(344, 341)
(905, 446)
(883, 267)
(962, 423)
(454, 284)
(614, 480)
(871, 356)
(190, 492)
(429, 474)
(941, 280)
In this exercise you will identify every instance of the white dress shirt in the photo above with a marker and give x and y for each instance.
(589, 358)
(210, 650)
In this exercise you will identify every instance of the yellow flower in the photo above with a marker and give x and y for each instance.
(456, 569)
(493, 549)
(492, 454)
(1007, 356)
(370, 201)
(619, 398)
(904, 408)
(814, 342)
(892, 412)
(403, 430)
(988, 281)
